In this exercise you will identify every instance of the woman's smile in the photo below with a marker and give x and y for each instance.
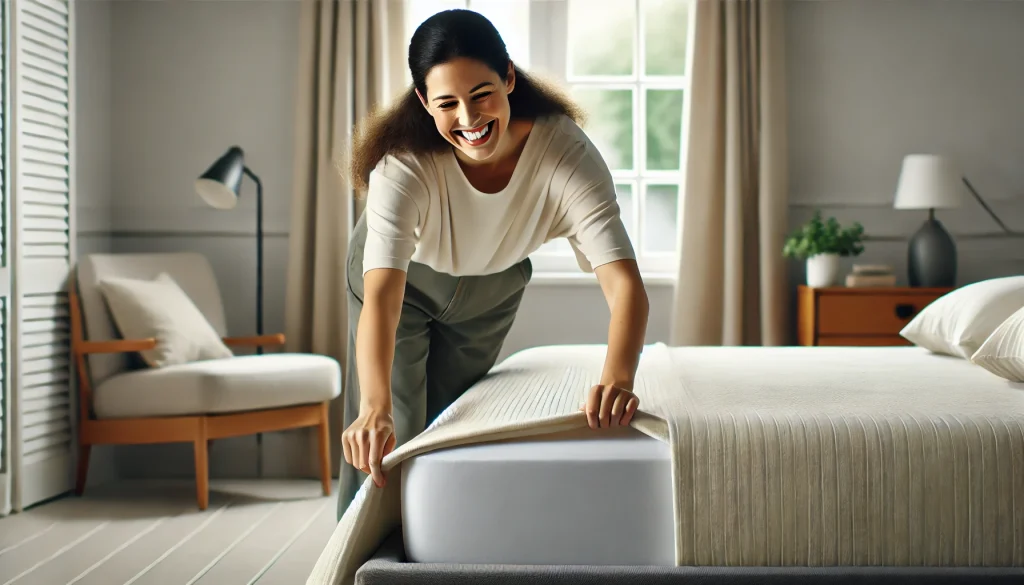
(476, 136)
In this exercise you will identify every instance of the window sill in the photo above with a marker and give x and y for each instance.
(549, 278)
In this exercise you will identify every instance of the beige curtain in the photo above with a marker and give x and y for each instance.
(351, 59)
(731, 287)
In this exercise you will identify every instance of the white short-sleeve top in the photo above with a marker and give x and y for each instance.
(421, 207)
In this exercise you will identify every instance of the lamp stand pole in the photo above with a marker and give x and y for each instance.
(259, 254)
(259, 294)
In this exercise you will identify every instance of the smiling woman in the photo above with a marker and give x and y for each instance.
(473, 169)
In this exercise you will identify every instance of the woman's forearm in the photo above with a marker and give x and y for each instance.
(375, 337)
(626, 332)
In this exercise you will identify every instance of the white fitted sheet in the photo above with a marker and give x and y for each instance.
(580, 497)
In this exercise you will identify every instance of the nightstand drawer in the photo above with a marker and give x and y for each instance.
(860, 314)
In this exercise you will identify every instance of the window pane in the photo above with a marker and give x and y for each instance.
(556, 247)
(601, 37)
(512, 19)
(664, 128)
(662, 205)
(624, 193)
(609, 123)
(666, 27)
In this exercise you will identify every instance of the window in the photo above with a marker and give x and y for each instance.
(626, 63)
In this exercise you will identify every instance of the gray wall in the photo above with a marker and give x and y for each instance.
(94, 196)
(872, 80)
(868, 82)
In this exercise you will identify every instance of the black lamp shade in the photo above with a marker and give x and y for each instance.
(219, 185)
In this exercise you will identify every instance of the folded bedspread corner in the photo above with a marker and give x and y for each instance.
(535, 391)
(780, 456)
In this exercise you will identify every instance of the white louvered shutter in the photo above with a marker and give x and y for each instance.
(44, 248)
(6, 417)
(5, 403)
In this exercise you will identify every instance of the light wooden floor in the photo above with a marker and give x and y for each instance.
(266, 532)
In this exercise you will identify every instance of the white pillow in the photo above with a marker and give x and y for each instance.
(1003, 351)
(160, 309)
(960, 321)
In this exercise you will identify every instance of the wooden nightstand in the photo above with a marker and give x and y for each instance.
(859, 316)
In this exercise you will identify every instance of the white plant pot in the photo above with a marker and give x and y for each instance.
(823, 270)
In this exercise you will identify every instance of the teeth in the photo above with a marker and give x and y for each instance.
(474, 136)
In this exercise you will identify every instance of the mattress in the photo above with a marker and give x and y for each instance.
(780, 457)
(582, 497)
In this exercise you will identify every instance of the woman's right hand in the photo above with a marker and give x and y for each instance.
(368, 440)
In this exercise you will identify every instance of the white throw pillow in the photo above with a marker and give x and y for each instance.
(960, 321)
(1003, 351)
(160, 309)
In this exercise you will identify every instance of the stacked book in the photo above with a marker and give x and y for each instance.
(871, 275)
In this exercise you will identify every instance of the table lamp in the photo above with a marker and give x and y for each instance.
(220, 186)
(930, 182)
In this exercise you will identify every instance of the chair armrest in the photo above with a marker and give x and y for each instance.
(256, 340)
(115, 346)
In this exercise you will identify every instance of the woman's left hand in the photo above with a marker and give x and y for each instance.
(609, 406)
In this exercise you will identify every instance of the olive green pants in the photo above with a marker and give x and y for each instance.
(449, 336)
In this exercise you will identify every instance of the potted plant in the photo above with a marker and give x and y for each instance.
(821, 243)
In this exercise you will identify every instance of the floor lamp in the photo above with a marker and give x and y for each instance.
(220, 188)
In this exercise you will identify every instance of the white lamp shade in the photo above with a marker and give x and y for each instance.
(928, 181)
(216, 194)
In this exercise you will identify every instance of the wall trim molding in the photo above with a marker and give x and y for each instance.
(177, 219)
(800, 203)
(992, 236)
(122, 233)
(884, 223)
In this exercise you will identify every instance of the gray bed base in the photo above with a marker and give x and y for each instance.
(389, 566)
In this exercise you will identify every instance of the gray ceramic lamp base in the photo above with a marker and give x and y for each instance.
(931, 257)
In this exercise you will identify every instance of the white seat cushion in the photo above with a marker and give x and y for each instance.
(217, 386)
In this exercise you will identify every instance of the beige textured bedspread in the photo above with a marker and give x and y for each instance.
(781, 456)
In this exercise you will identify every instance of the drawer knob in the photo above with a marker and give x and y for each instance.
(904, 311)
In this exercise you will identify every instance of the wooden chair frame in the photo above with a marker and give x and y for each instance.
(198, 430)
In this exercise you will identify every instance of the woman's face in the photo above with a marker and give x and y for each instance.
(469, 104)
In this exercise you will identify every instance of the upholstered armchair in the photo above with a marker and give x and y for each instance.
(155, 366)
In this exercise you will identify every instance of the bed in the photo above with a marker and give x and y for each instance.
(793, 464)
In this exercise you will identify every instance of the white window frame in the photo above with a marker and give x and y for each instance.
(549, 56)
